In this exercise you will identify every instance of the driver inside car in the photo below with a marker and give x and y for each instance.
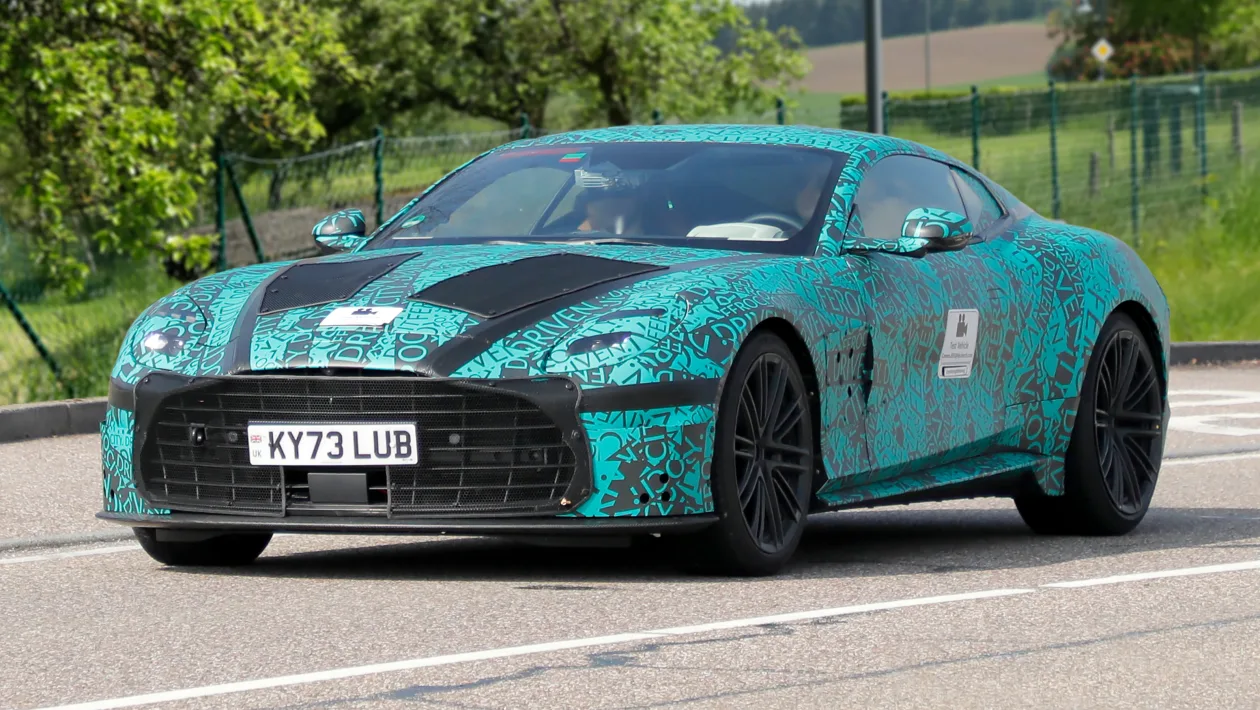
(610, 201)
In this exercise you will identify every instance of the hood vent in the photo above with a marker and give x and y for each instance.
(318, 282)
(496, 290)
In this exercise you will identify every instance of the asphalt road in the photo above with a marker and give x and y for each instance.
(945, 605)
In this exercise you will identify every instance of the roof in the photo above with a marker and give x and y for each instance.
(842, 141)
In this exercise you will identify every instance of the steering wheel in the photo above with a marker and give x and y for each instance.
(776, 219)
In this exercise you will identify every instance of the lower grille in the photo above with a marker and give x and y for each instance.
(482, 450)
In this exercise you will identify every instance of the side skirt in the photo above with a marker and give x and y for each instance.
(1001, 474)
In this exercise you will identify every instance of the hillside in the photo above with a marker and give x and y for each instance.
(964, 56)
(822, 23)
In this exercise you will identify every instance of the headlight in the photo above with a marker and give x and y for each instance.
(167, 335)
(591, 343)
(159, 342)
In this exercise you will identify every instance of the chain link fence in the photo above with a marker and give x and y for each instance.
(1138, 159)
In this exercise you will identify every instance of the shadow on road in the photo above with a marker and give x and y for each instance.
(836, 545)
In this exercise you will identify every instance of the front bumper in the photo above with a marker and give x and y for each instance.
(428, 526)
(642, 455)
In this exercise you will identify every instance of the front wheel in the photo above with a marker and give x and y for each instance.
(1117, 442)
(763, 463)
(219, 551)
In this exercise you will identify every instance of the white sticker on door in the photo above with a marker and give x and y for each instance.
(958, 352)
(352, 316)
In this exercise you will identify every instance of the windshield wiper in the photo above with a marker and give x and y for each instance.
(611, 240)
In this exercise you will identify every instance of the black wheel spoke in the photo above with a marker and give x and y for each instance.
(788, 420)
(786, 495)
(1138, 390)
(748, 486)
(787, 448)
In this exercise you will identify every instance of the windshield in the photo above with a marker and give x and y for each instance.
(726, 196)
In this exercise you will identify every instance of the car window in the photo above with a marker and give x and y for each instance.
(895, 186)
(982, 208)
(497, 207)
(726, 196)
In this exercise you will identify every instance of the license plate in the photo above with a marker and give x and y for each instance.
(333, 444)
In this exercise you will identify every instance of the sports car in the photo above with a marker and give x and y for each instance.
(701, 334)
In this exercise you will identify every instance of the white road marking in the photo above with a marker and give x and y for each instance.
(491, 654)
(63, 555)
(1208, 424)
(1184, 572)
(1217, 398)
(1220, 458)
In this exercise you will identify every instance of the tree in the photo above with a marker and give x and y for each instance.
(116, 102)
(1237, 34)
(628, 57)
(620, 59)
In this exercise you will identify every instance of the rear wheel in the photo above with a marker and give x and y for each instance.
(1117, 442)
(219, 551)
(763, 462)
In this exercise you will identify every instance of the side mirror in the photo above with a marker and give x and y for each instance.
(340, 231)
(939, 229)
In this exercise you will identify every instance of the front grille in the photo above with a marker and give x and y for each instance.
(482, 451)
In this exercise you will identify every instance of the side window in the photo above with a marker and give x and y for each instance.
(895, 186)
(982, 208)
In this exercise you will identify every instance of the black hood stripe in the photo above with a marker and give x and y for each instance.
(461, 350)
(318, 283)
(500, 289)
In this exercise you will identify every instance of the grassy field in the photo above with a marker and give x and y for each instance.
(959, 57)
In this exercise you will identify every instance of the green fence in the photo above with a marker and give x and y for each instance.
(1138, 159)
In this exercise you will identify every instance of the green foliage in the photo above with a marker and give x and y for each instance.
(617, 59)
(1211, 272)
(824, 22)
(1237, 35)
(188, 257)
(115, 103)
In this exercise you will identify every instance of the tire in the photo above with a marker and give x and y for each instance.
(1117, 443)
(220, 551)
(758, 531)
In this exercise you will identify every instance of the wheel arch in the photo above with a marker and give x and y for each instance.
(1150, 332)
(795, 342)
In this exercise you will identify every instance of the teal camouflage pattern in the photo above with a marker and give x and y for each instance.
(867, 316)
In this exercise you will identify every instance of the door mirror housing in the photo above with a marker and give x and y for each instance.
(936, 229)
(340, 231)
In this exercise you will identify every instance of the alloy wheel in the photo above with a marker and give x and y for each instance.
(773, 458)
(1128, 422)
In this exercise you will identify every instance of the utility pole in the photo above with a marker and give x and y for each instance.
(874, 68)
(927, 45)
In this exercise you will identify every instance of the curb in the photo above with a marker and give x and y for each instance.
(83, 416)
(1214, 353)
(44, 419)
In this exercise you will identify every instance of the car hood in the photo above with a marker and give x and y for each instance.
(430, 309)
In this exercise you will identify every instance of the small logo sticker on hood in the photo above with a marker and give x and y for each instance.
(360, 316)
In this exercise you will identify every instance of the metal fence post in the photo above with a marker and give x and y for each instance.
(657, 117)
(249, 223)
(1134, 196)
(31, 335)
(1200, 125)
(975, 127)
(883, 101)
(378, 174)
(220, 203)
(1056, 206)
(524, 125)
(780, 111)
(1174, 136)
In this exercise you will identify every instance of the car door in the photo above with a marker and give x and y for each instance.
(938, 320)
